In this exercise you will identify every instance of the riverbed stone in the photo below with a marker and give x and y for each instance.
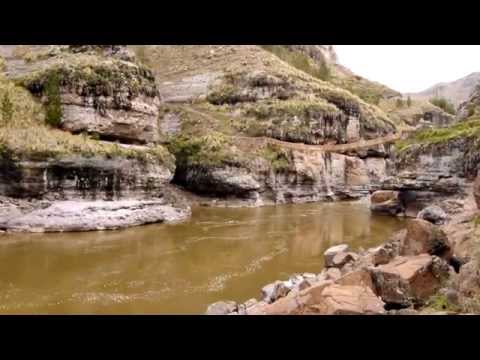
(425, 238)
(274, 291)
(382, 255)
(433, 214)
(360, 277)
(64, 216)
(409, 280)
(331, 252)
(343, 258)
(468, 279)
(338, 299)
(222, 308)
(385, 201)
(333, 274)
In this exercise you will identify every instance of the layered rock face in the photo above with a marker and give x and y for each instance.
(311, 176)
(100, 94)
(83, 178)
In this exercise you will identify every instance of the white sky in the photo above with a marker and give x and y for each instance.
(410, 68)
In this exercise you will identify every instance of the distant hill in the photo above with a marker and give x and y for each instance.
(457, 91)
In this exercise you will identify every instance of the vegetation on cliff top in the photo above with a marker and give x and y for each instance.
(211, 150)
(88, 74)
(24, 134)
(443, 104)
(300, 61)
(465, 129)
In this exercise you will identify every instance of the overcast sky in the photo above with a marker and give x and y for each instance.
(410, 68)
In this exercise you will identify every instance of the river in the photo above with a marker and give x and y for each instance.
(220, 254)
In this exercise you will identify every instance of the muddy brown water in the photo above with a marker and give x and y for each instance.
(219, 254)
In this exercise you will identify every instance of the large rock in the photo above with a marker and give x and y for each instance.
(347, 300)
(222, 308)
(433, 214)
(385, 201)
(274, 291)
(330, 254)
(360, 277)
(468, 279)
(80, 177)
(409, 280)
(325, 298)
(65, 216)
(101, 94)
(342, 259)
(425, 238)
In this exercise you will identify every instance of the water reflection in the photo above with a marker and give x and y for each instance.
(219, 254)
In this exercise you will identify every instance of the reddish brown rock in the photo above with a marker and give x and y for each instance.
(347, 300)
(341, 259)
(425, 238)
(332, 252)
(357, 278)
(408, 280)
(385, 201)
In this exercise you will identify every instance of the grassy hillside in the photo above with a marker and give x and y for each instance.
(24, 133)
(249, 85)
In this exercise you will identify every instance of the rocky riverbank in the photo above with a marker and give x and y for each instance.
(427, 268)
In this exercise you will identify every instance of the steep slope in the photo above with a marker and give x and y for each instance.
(325, 65)
(220, 101)
(471, 107)
(457, 91)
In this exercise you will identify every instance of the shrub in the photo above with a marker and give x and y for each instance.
(443, 104)
(280, 159)
(53, 105)
(399, 103)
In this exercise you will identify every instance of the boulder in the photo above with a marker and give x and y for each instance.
(385, 201)
(425, 238)
(325, 298)
(333, 274)
(222, 308)
(357, 278)
(331, 252)
(409, 280)
(468, 279)
(347, 300)
(433, 214)
(342, 259)
(383, 254)
(295, 305)
(274, 291)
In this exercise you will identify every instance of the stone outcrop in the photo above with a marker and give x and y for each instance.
(442, 167)
(222, 308)
(330, 254)
(76, 177)
(100, 94)
(308, 177)
(425, 238)
(385, 201)
(326, 298)
(63, 216)
(409, 280)
(433, 214)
